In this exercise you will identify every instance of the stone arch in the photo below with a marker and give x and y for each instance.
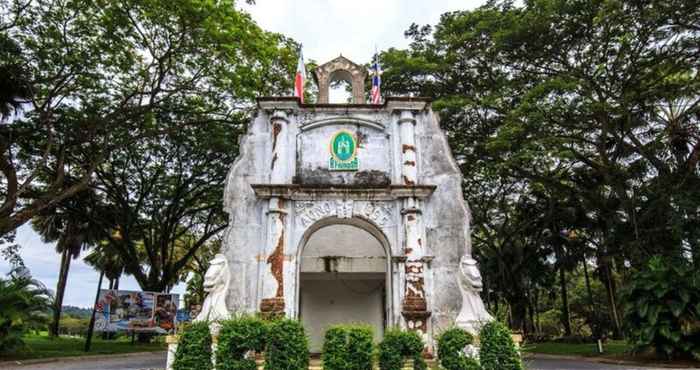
(310, 283)
(337, 69)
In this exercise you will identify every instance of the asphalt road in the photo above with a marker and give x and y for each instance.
(157, 361)
(127, 362)
(542, 364)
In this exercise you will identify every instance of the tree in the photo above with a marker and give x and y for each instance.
(590, 104)
(101, 71)
(23, 306)
(164, 198)
(73, 232)
(197, 268)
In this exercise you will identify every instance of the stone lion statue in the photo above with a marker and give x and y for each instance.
(216, 284)
(473, 314)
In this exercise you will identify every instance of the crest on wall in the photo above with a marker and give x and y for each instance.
(343, 150)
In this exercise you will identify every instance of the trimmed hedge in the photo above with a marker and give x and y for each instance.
(348, 347)
(399, 344)
(498, 351)
(194, 348)
(237, 337)
(287, 346)
(451, 345)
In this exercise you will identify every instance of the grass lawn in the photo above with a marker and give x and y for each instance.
(612, 347)
(41, 346)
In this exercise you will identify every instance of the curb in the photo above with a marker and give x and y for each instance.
(604, 360)
(76, 358)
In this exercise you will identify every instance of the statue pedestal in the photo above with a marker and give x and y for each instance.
(171, 341)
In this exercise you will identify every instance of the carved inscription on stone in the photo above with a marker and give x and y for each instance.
(380, 213)
(309, 212)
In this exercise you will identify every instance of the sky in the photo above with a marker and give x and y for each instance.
(326, 28)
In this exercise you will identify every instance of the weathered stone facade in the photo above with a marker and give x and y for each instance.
(405, 192)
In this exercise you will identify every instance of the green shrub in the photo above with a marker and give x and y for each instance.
(451, 345)
(194, 348)
(399, 344)
(237, 337)
(663, 308)
(348, 347)
(24, 303)
(287, 346)
(498, 351)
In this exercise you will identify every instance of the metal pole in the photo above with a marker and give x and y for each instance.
(88, 340)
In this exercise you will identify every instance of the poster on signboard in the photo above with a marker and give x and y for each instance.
(125, 310)
(166, 312)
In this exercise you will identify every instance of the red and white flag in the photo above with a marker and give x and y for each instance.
(300, 78)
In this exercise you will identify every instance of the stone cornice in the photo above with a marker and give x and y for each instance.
(390, 103)
(306, 192)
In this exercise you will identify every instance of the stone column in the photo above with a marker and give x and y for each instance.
(409, 171)
(273, 303)
(280, 148)
(323, 88)
(272, 260)
(415, 307)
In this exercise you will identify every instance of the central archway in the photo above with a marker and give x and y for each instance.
(343, 277)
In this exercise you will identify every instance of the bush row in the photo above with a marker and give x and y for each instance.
(346, 347)
(497, 351)
(283, 342)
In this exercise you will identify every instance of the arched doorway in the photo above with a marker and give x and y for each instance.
(343, 278)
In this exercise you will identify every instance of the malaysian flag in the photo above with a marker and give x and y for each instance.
(376, 95)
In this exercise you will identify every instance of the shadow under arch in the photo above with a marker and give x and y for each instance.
(365, 225)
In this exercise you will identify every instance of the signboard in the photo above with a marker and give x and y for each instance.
(126, 310)
(343, 148)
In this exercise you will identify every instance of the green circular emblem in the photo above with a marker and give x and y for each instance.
(343, 146)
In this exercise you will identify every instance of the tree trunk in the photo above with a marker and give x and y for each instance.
(60, 292)
(565, 318)
(518, 314)
(531, 314)
(91, 327)
(538, 327)
(610, 289)
(116, 284)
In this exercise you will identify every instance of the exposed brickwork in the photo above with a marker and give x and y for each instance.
(276, 262)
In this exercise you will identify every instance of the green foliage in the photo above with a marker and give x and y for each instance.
(23, 306)
(348, 347)
(237, 337)
(398, 345)
(451, 345)
(287, 346)
(73, 326)
(663, 308)
(576, 133)
(498, 351)
(194, 348)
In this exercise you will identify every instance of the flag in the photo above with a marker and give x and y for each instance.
(375, 95)
(300, 78)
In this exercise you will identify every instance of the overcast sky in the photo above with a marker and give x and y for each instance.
(326, 28)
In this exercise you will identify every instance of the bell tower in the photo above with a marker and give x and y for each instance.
(343, 69)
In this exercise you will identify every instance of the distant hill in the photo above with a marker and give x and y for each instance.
(77, 311)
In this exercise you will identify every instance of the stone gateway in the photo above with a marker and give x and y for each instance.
(349, 213)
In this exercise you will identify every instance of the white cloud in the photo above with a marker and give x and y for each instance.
(328, 28)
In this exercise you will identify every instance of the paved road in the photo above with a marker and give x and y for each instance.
(130, 362)
(542, 364)
(157, 361)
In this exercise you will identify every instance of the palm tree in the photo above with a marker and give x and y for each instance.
(71, 229)
(106, 259)
(23, 305)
